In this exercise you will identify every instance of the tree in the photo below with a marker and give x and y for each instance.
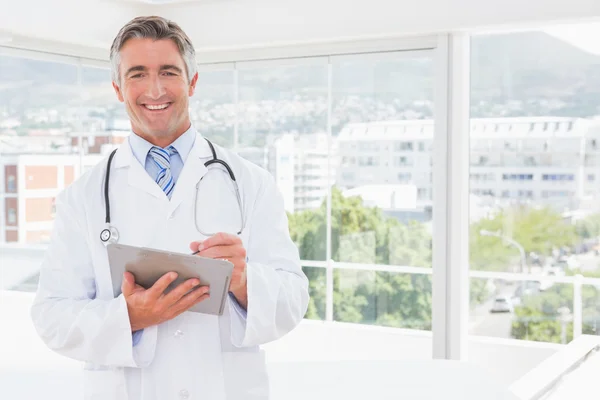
(537, 318)
(588, 228)
(538, 230)
(363, 234)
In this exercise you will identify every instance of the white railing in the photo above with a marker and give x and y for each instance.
(329, 266)
(577, 281)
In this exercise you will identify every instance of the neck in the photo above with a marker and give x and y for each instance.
(164, 141)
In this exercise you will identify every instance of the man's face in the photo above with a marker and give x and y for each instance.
(155, 87)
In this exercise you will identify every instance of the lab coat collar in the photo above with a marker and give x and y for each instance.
(193, 170)
(124, 156)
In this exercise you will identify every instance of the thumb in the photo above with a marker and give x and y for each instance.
(128, 285)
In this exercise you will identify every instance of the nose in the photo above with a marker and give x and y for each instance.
(155, 88)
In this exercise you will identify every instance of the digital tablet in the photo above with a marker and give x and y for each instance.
(148, 265)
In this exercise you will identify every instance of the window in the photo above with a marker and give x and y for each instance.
(212, 109)
(12, 216)
(11, 184)
(519, 231)
(372, 88)
(104, 119)
(517, 177)
(404, 146)
(45, 113)
(402, 161)
(558, 177)
(282, 115)
(404, 177)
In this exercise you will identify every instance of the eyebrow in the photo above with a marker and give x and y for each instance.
(141, 68)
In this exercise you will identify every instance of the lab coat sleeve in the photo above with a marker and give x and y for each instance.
(277, 287)
(66, 313)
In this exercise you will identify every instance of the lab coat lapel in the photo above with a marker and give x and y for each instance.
(137, 177)
(193, 170)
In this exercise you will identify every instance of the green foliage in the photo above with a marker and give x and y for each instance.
(589, 227)
(363, 234)
(537, 318)
(538, 230)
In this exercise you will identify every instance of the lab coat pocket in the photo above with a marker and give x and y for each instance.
(105, 383)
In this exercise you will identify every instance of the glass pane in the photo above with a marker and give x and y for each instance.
(212, 108)
(316, 289)
(383, 298)
(282, 128)
(382, 197)
(526, 310)
(39, 111)
(534, 138)
(590, 298)
(104, 123)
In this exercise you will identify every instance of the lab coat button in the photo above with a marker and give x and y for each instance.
(184, 394)
(178, 333)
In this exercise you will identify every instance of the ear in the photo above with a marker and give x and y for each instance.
(118, 92)
(193, 85)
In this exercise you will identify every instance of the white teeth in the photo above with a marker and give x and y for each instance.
(159, 107)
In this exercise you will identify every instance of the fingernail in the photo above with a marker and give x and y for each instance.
(201, 246)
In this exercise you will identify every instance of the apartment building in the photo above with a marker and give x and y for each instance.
(34, 170)
(554, 161)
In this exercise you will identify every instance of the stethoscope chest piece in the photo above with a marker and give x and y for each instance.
(109, 235)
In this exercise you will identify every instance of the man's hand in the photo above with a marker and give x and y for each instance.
(152, 307)
(228, 247)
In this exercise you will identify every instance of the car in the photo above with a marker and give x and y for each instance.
(502, 304)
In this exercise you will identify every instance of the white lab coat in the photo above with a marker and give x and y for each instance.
(193, 356)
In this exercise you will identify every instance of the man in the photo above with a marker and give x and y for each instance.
(143, 343)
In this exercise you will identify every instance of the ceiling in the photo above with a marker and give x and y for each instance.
(87, 27)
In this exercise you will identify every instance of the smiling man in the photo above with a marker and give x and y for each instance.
(168, 186)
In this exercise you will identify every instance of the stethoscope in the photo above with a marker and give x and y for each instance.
(110, 234)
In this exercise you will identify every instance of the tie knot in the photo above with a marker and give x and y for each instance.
(161, 156)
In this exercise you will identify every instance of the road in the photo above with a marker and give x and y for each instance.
(484, 323)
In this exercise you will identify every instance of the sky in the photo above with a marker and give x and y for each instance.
(583, 35)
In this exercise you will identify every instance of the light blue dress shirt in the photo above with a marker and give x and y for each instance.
(184, 143)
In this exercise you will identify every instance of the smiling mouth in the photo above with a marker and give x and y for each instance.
(156, 107)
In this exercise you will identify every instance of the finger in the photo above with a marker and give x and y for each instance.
(161, 285)
(176, 294)
(195, 245)
(128, 285)
(189, 300)
(220, 239)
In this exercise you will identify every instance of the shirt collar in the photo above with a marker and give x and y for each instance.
(183, 144)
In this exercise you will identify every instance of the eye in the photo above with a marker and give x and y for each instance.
(169, 73)
(136, 76)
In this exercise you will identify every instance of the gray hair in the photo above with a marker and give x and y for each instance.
(155, 28)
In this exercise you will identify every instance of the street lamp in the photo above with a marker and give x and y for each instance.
(508, 240)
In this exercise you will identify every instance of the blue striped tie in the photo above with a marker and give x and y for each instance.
(162, 159)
